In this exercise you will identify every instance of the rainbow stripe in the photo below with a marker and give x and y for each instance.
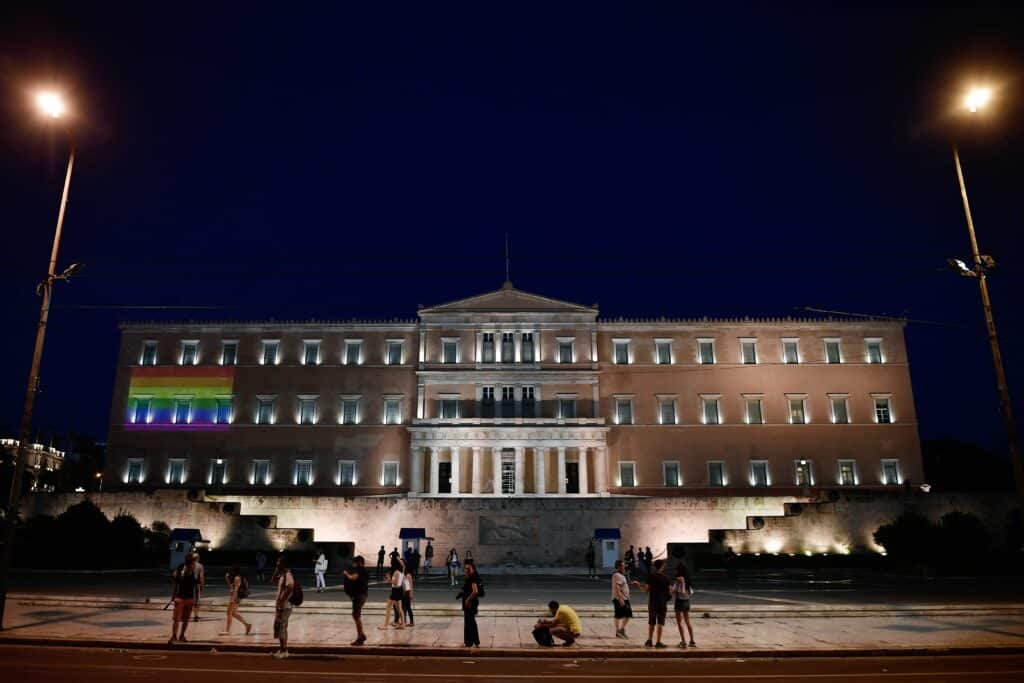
(167, 388)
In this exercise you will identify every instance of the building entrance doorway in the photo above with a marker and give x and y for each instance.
(572, 477)
(444, 477)
(508, 471)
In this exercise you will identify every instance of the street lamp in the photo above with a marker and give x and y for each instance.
(53, 106)
(974, 101)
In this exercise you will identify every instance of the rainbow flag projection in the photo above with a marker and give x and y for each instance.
(180, 397)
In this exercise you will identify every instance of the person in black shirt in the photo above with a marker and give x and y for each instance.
(659, 590)
(380, 563)
(470, 597)
(357, 586)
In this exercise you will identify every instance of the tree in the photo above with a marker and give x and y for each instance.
(83, 535)
(127, 540)
(910, 538)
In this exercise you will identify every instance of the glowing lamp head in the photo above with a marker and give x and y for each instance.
(977, 98)
(51, 104)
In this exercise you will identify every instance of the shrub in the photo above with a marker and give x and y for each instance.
(910, 538)
(127, 541)
(83, 536)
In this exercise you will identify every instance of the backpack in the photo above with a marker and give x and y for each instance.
(480, 592)
(296, 597)
(243, 589)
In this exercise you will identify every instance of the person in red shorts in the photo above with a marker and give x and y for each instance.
(186, 583)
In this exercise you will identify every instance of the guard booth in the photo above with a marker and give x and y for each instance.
(608, 541)
(410, 538)
(183, 542)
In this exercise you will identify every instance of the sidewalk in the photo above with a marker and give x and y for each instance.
(506, 631)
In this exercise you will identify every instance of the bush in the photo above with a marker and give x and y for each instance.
(83, 536)
(965, 541)
(127, 541)
(911, 538)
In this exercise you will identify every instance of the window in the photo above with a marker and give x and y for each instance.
(706, 351)
(840, 410)
(392, 411)
(623, 411)
(140, 415)
(182, 410)
(261, 472)
(874, 350)
(797, 411)
(303, 472)
(190, 352)
(671, 472)
(449, 351)
(229, 353)
(755, 412)
(508, 347)
(224, 413)
(667, 410)
(527, 347)
(716, 473)
(389, 475)
(487, 348)
(136, 472)
(265, 410)
(393, 349)
(176, 471)
(802, 473)
(307, 410)
(529, 402)
(891, 472)
(832, 354)
(487, 402)
(663, 351)
(748, 351)
(566, 407)
(621, 355)
(709, 410)
(759, 473)
(508, 402)
(148, 353)
(791, 351)
(353, 352)
(847, 473)
(883, 415)
(450, 408)
(566, 352)
(350, 410)
(627, 474)
(346, 473)
(270, 355)
(311, 352)
(218, 473)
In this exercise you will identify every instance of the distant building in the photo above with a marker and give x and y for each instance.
(40, 462)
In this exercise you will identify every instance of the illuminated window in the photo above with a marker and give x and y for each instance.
(450, 407)
(621, 347)
(350, 410)
(623, 411)
(529, 402)
(883, 415)
(627, 473)
(394, 351)
(526, 349)
(566, 353)
(840, 409)
(847, 473)
(224, 413)
(706, 351)
(791, 351)
(667, 410)
(261, 472)
(346, 473)
(176, 471)
(307, 410)
(832, 352)
(755, 411)
(449, 351)
(182, 410)
(716, 473)
(141, 412)
(229, 353)
(759, 473)
(508, 347)
(567, 407)
(303, 472)
(670, 469)
(874, 350)
(710, 410)
(265, 410)
(271, 349)
(190, 352)
(353, 351)
(135, 473)
(218, 473)
(392, 411)
(663, 351)
(148, 353)
(389, 474)
(311, 352)
(487, 348)
(797, 411)
(748, 351)
(802, 473)
(891, 472)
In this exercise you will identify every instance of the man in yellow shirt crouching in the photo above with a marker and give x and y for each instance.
(564, 624)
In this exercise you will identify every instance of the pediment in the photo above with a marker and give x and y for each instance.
(508, 299)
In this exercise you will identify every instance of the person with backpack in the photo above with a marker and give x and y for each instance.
(239, 587)
(289, 595)
(682, 588)
(320, 568)
(183, 594)
(659, 591)
(357, 587)
(469, 596)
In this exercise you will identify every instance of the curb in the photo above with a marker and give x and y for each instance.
(548, 653)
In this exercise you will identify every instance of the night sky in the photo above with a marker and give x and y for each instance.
(318, 160)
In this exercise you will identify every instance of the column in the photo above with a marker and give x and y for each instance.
(584, 483)
(416, 469)
(561, 470)
(433, 471)
(496, 470)
(478, 356)
(517, 344)
(477, 473)
(538, 471)
(456, 475)
(520, 470)
(601, 470)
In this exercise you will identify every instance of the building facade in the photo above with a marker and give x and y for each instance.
(514, 395)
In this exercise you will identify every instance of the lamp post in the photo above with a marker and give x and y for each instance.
(53, 106)
(983, 263)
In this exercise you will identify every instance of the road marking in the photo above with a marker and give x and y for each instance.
(758, 597)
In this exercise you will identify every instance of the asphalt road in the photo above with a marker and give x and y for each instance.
(81, 665)
(785, 587)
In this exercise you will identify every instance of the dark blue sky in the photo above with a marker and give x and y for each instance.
(317, 161)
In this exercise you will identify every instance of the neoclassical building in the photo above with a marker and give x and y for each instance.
(512, 394)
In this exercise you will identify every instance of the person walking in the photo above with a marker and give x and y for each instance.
(414, 569)
(564, 624)
(282, 606)
(357, 587)
(453, 565)
(682, 589)
(183, 594)
(239, 589)
(472, 591)
(261, 567)
(428, 559)
(623, 611)
(200, 586)
(658, 589)
(591, 562)
(380, 563)
(407, 598)
(395, 597)
(320, 568)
